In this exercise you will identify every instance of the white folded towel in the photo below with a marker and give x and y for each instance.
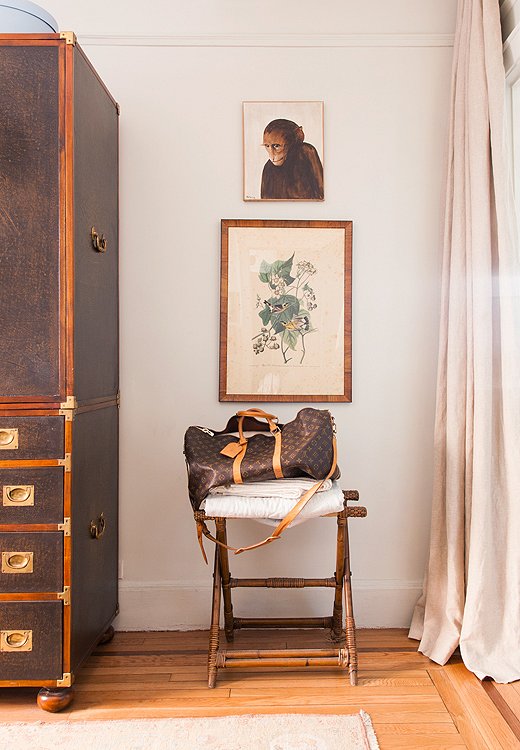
(271, 509)
(289, 488)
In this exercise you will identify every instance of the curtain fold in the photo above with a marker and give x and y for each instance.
(471, 596)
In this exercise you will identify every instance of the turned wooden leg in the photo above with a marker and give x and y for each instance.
(55, 699)
(349, 615)
(107, 636)
(337, 612)
(220, 524)
(215, 617)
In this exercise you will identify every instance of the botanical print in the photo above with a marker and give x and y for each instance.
(285, 311)
(283, 150)
(286, 315)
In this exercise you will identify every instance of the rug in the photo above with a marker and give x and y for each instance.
(249, 732)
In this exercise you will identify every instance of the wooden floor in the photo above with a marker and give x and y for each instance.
(413, 702)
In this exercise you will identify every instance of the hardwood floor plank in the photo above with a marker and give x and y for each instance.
(447, 729)
(86, 680)
(507, 701)
(480, 709)
(508, 693)
(388, 694)
(422, 742)
(455, 705)
(177, 691)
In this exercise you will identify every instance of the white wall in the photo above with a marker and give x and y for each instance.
(180, 73)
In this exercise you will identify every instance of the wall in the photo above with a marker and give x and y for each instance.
(180, 73)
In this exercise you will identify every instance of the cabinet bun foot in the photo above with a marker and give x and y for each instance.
(107, 636)
(54, 699)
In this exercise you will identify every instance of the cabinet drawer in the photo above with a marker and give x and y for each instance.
(31, 495)
(31, 640)
(31, 562)
(31, 438)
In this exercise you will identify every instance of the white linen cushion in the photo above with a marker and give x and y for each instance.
(271, 509)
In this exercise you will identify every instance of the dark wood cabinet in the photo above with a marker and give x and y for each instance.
(59, 376)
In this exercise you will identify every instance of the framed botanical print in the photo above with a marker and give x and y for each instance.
(283, 151)
(285, 310)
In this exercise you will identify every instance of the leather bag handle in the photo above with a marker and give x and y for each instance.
(257, 414)
(237, 451)
(251, 422)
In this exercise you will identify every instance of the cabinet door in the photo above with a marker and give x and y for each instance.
(30, 347)
(95, 205)
(94, 528)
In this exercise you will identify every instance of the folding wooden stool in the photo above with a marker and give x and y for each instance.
(343, 655)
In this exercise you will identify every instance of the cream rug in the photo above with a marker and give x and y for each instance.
(258, 732)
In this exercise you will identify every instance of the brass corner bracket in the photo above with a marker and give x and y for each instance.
(66, 680)
(70, 403)
(66, 462)
(64, 596)
(69, 36)
(65, 526)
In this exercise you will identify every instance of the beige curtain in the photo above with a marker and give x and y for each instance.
(471, 597)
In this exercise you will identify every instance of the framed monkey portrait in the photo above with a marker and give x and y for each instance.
(283, 151)
(285, 310)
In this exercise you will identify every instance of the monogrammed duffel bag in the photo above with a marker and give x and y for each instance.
(305, 447)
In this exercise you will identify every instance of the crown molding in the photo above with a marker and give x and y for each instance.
(269, 40)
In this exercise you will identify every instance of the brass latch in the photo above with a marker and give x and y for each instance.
(65, 526)
(99, 241)
(64, 596)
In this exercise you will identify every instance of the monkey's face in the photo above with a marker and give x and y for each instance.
(276, 146)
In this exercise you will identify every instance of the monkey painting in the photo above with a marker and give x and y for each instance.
(294, 170)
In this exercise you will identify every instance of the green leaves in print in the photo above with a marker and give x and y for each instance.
(285, 321)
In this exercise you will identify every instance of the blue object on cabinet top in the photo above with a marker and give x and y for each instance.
(22, 16)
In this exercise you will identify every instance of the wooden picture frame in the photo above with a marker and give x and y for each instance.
(283, 151)
(286, 311)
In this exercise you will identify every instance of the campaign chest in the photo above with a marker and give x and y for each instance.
(59, 376)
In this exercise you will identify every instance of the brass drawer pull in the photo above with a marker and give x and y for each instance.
(16, 640)
(97, 528)
(20, 494)
(99, 242)
(17, 562)
(8, 438)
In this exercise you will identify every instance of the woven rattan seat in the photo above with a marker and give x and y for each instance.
(341, 623)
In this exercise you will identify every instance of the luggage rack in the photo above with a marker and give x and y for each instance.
(344, 655)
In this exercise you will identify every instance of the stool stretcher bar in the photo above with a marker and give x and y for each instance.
(283, 658)
(282, 622)
(282, 583)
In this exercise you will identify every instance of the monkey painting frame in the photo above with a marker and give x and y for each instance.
(283, 151)
(286, 311)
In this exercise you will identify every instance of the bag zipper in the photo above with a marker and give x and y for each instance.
(205, 429)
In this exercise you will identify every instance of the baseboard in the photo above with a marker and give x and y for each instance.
(175, 605)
